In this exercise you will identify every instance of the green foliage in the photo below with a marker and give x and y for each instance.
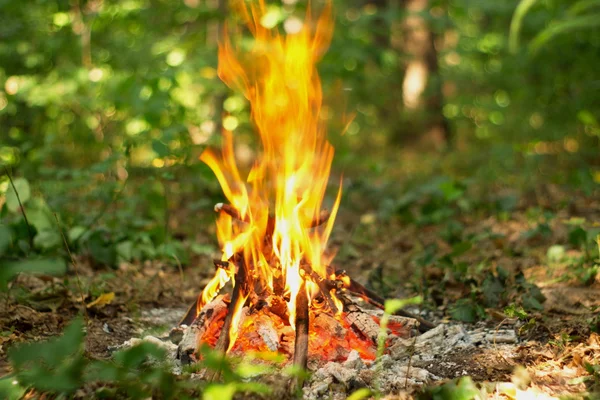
(574, 21)
(459, 389)
(54, 366)
(10, 389)
(11, 269)
(517, 21)
(59, 366)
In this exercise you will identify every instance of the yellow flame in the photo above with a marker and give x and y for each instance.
(288, 181)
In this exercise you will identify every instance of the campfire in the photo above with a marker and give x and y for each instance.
(285, 297)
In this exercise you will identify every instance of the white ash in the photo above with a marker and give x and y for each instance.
(393, 373)
(171, 359)
(162, 317)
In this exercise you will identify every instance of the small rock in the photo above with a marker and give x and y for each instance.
(176, 334)
(321, 387)
(341, 374)
(168, 346)
(385, 361)
(508, 337)
(354, 361)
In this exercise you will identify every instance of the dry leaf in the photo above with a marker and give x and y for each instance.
(102, 300)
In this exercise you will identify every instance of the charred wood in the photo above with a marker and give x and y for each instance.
(301, 343)
(374, 299)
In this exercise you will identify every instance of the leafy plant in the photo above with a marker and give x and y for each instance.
(583, 14)
(59, 366)
(11, 269)
(459, 389)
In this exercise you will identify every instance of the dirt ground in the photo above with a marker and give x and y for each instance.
(555, 344)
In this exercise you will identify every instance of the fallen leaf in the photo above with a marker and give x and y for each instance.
(102, 300)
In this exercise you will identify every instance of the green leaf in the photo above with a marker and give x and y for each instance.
(5, 238)
(556, 253)
(47, 239)
(23, 190)
(202, 249)
(160, 148)
(451, 191)
(578, 237)
(55, 365)
(531, 303)
(464, 310)
(75, 233)
(9, 270)
(10, 389)
(461, 248)
(219, 391)
(572, 24)
(463, 389)
(39, 215)
(513, 311)
(517, 21)
(360, 394)
(125, 250)
(492, 290)
(582, 6)
(394, 305)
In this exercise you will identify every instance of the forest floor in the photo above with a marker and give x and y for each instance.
(526, 261)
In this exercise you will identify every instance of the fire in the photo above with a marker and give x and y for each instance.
(282, 195)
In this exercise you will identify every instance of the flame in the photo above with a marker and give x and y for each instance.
(284, 190)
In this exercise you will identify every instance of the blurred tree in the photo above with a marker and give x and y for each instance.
(422, 85)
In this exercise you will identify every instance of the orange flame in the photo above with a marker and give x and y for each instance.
(285, 188)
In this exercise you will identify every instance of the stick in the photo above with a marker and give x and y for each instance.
(241, 285)
(22, 208)
(234, 213)
(373, 298)
(75, 266)
(323, 285)
(321, 219)
(229, 209)
(301, 343)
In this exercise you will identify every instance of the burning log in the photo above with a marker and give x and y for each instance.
(268, 332)
(374, 299)
(191, 341)
(235, 214)
(301, 343)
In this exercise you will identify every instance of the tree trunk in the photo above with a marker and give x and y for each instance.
(422, 75)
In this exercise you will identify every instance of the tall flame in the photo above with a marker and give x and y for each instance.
(285, 188)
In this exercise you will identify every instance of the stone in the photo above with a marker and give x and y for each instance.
(354, 361)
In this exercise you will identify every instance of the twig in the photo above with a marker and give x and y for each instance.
(230, 210)
(22, 208)
(75, 267)
(240, 289)
(301, 343)
(323, 217)
(374, 299)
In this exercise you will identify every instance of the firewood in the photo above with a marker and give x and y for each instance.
(323, 217)
(267, 331)
(363, 324)
(374, 299)
(210, 314)
(301, 344)
(242, 283)
(327, 323)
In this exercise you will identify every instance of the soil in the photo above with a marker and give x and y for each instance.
(553, 347)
